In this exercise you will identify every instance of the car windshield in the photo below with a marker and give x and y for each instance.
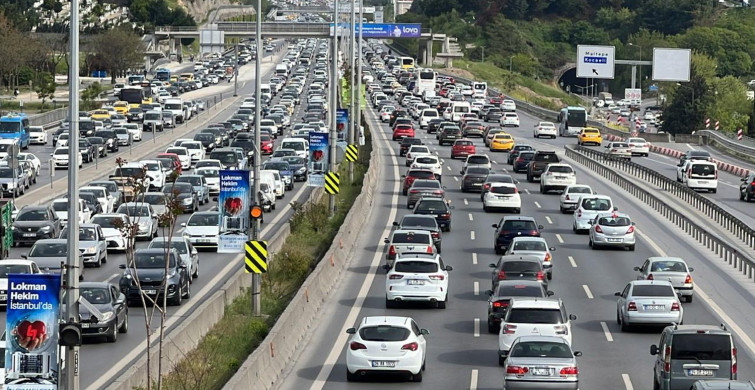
(539, 349)
(430, 205)
(614, 221)
(209, 172)
(203, 220)
(503, 190)
(193, 180)
(224, 157)
(653, 290)
(178, 188)
(85, 234)
(49, 250)
(526, 155)
(6, 269)
(133, 211)
(668, 266)
(152, 260)
(421, 174)
(419, 149)
(701, 346)
(295, 160)
(108, 222)
(519, 290)
(6, 173)
(530, 245)
(534, 316)
(276, 166)
(95, 295)
(60, 205)
(32, 215)
(129, 172)
(383, 333)
(410, 238)
(293, 145)
(175, 243)
(414, 266)
(478, 160)
(596, 204)
(560, 169)
(154, 199)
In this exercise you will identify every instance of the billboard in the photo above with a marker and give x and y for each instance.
(233, 208)
(31, 346)
(595, 62)
(342, 124)
(671, 64)
(318, 158)
(384, 30)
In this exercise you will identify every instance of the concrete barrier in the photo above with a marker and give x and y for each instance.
(50, 118)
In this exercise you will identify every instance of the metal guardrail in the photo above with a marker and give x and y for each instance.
(744, 263)
(705, 205)
(746, 146)
(50, 118)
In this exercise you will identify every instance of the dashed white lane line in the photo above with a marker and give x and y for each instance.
(471, 218)
(606, 332)
(466, 202)
(476, 288)
(573, 263)
(550, 221)
(526, 191)
(449, 168)
(471, 235)
(494, 162)
(474, 258)
(473, 380)
(560, 240)
(691, 147)
(456, 178)
(113, 276)
(476, 327)
(627, 382)
(538, 205)
(587, 291)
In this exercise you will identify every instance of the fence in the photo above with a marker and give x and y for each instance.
(50, 118)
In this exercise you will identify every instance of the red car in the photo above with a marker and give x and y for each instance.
(415, 174)
(496, 100)
(176, 161)
(462, 148)
(266, 144)
(402, 131)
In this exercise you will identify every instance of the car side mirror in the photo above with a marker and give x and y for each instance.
(552, 249)
(386, 267)
(387, 241)
(492, 265)
(351, 331)
(577, 353)
(691, 269)
(549, 293)
(617, 294)
(395, 223)
(653, 349)
(122, 266)
(183, 224)
(540, 227)
(24, 256)
(489, 292)
(572, 317)
(615, 209)
(495, 225)
(424, 332)
(637, 269)
(449, 268)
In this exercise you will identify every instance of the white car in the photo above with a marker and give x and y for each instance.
(60, 157)
(385, 113)
(196, 150)
(502, 196)
(106, 201)
(545, 129)
(588, 207)
(154, 172)
(143, 215)
(212, 177)
(638, 146)
(60, 208)
(414, 151)
(386, 344)
(37, 135)
(431, 162)
(510, 119)
(33, 159)
(466, 90)
(202, 229)
(183, 155)
(113, 226)
(134, 129)
(533, 246)
(14, 266)
(62, 140)
(417, 277)
(570, 196)
(508, 105)
(556, 177)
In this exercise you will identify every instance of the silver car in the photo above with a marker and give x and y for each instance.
(648, 302)
(533, 246)
(673, 269)
(92, 244)
(618, 150)
(186, 251)
(571, 195)
(409, 241)
(612, 229)
(541, 362)
(144, 216)
(588, 207)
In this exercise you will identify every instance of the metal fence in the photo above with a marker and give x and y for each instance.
(741, 261)
(728, 140)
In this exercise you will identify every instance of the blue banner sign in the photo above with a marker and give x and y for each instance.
(233, 208)
(31, 346)
(384, 30)
(318, 158)
(342, 124)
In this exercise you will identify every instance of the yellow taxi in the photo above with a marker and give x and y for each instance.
(501, 142)
(121, 107)
(589, 135)
(100, 115)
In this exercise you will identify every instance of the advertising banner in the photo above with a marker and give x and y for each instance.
(318, 158)
(233, 208)
(384, 30)
(31, 346)
(342, 124)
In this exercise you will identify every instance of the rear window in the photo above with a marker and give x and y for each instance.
(520, 266)
(561, 169)
(530, 246)
(653, 290)
(541, 349)
(519, 225)
(426, 184)
(701, 346)
(409, 238)
(430, 205)
(426, 160)
(420, 149)
(478, 171)
(477, 160)
(422, 174)
(550, 157)
(591, 131)
(383, 333)
(703, 169)
(503, 190)
(463, 143)
(422, 221)
(614, 221)
(596, 204)
(534, 316)
(519, 290)
(668, 266)
(421, 267)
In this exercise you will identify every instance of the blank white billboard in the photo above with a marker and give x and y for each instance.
(671, 64)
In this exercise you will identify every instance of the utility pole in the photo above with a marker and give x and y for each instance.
(71, 269)
(358, 116)
(255, 230)
(352, 91)
(236, 70)
(334, 103)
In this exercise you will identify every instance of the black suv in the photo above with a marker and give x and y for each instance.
(438, 208)
(513, 226)
(540, 160)
(449, 135)
(747, 188)
(149, 267)
(35, 223)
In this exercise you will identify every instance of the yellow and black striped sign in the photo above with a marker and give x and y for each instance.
(352, 152)
(332, 183)
(255, 260)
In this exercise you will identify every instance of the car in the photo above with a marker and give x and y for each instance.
(638, 146)
(589, 135)
(183, 155)
(522, 161)
(60, 158)
(409, 241)
(557, 176)
(541, 362)
(495, 178)
(105, 200)
(431, 162)
(14, 266)
(518, 267)
(490, 132)
(406, 143)
(510, 119)
(462, 148)
(199, 186)
(501, 142)
(417, 277)
(648, 302)
(186, 252)
(415, 174)
(545, 129)
(527, 316)
(100, 146)
(570, 196)
(415, 150)
(473, 128)
(516, 149)
(508, 105)
(421, 222)
(110, 303)
(493, 114)
(202, 229)
(143, 215)
(385, 113)
(34, 223)
(473, 178)
(687, 353)
(112, 188)
(13, 181)
(113, 226)
(533, 246)
(157, 200)
(539, 162)
(424, 188)
(185, 195)
(123, 136)
(747, 187)
(49, 254)
(502, 196)
(695, 155)
(37, 135)
(513, 226)
(612, 229)
(401, 131)
(448, 135)
(673, 269)
(698, 175)
(500, 297)
(588, 207)
(92, 244)
(617, 151)
(386, 344)
(476, 160)
(438, 208)
(722, 385)
(32, 159)
(149, 266)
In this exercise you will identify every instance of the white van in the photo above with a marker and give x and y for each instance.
(458, 109)
(300, 145)
(479, 90)
(428, 95)
(426, 115)
(265, 89)
(281, 70)
(700, 175)
(268, 178)
(278, 184)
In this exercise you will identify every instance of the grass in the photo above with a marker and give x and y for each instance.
(29, 107)
(227, 345)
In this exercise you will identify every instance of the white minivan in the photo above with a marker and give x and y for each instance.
(299, 145)
(700, 175)
(458, 109)
(426, 116)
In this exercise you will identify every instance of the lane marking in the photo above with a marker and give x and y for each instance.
(113, 276)
(474, 258)
(456, 178)
(473, 380)
(550, 221)
(627, 382)
(606, 331)
(466, 202)
(587, 291)
(573, 263)
(476, 288)
(449, 168)
(471, 218)
(471, 235)
(526, 190)
(476, 327)
(691, 147)
(560, 240)
(494, 162)
(538, 205)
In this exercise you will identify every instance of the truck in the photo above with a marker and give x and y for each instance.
(606, 98)
(16, 126)
(176, 107)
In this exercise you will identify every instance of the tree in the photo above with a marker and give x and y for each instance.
(119, 50)
(90, 94)
(45, 86)
(730, 105)
(686, 111)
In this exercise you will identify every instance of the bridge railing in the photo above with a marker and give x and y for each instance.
(728, 140)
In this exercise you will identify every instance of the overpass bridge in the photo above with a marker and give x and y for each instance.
(248, 29)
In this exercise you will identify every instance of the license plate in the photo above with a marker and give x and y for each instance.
(203, 240)
(614, 240)
(540, 371)
(30, 234)
(654, 307)
(699, 372)
(503, 197)
(415, 282)
(383, 363)
(150, 292)
(86, 325)
(703, 182)
(3, 297)
(561, 177)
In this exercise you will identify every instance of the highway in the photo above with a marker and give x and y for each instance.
(461, 354)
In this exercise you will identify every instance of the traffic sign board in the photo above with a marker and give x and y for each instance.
(332, 183)
(255, 260)
(634, 95)
(595, 62)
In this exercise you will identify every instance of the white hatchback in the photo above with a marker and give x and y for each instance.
(502, 196)
(417, 277)
(431, 162)
(570, 196)
(545, 129)
(533, 316)
(588, 207)
(510, 119)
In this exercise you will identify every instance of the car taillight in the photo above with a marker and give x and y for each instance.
(598, 229)
(486, 186)
(733, 361)
(500, 304)
(410, 347)
(501, 275)
(355, 346)
(569, 371)
(394, 276)
(650, 277)
(630, 230)
(547, 258)
(414, 191)
(435, 234)
(519, 160)
(540, 275)
(429, 249)
(438, 192)
(445, 216)
(437, 277)
(688, 279)
(631, 306)
(667, 359)
(516, 370)
(509, 329)
(534, 233)
(675, 306)
(392, 251)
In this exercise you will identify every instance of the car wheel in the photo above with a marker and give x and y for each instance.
(631, 248)
(389, 304)
(196, 272)
(688, 298)
(351, 377)
(530, 178)
(438, 248)
(713, 190)
(178, 299)
(592, 245)
(624, 326)
(113, 335)
(542, 189)
(492, 328)
(104, 258)
(485, 208)
(741, 196)
(417, 377)
(442, 304)
(124, 327)
(656, 385)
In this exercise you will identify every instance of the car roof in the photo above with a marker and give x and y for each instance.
(386, 320)
(528, 238)
(531, 302)
(408, 256)
(724, 385)
(695, 328)
(518, 218)
(665, 258)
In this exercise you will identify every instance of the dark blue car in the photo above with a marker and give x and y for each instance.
(522, 160)
(513, 226)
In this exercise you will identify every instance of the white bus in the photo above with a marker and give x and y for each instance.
(571, 121)
(424, 80)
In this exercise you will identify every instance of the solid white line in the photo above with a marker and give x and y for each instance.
(473, 380)
(538, 205)
(587, 291)
(606, 332)
(550, 221)
(627, 382)
(471, 218)
(474, 258)
(471, 235)
(476, 288)
(573, 263)
(466, 202)
(476, 327)
(560, 240)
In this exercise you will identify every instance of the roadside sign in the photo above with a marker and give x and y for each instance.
(634, 95)
(595, 62)
(255, 260)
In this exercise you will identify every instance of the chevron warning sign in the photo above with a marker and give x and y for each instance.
(332, 183)
(352, 152)
(255, 260)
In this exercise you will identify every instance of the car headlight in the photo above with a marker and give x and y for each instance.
(45, 229)
(13, 228)
(172, 273)
(186, 201)
(212, 145)
(107, 316)
(301, 170)
(91, 250)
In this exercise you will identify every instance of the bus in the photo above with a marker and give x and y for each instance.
(406, 62)
(135, 79)
(16, 126)
(571, 121)
(133, 95)
(424, 80)
(162, 74)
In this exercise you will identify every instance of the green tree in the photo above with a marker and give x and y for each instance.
(45, 86)
(690, 101)
(118, 50)
(89, 95)
(730, 105)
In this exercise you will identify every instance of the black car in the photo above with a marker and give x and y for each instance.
(90, 199)
(448, 135)
(149, 267)
(246, 144)
(425, 222)
(106, 298)
(747, 188)
(135, 114)
(522, 161)
(500, 298)
(184, 193)
(514, 152)
(88, 151)
(473, 178)
(513, 226)
(298, 165)
(111, 140)
(35, 223)
(208, 141)
(397, 114)
(407, 143)
(57, 133)
(438, 208)
(221, 138)
(434, 124)
(99, 145)
(518, 267)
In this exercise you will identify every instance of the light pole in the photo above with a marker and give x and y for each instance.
(352, 89)
(255, 228)
(334, 103)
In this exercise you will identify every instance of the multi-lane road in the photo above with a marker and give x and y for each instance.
(461, 354)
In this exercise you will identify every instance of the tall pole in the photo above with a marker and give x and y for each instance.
(358, 116)
(334, 102)
(255, 231)
(353, 91)
(236, 71)
(72, 258)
